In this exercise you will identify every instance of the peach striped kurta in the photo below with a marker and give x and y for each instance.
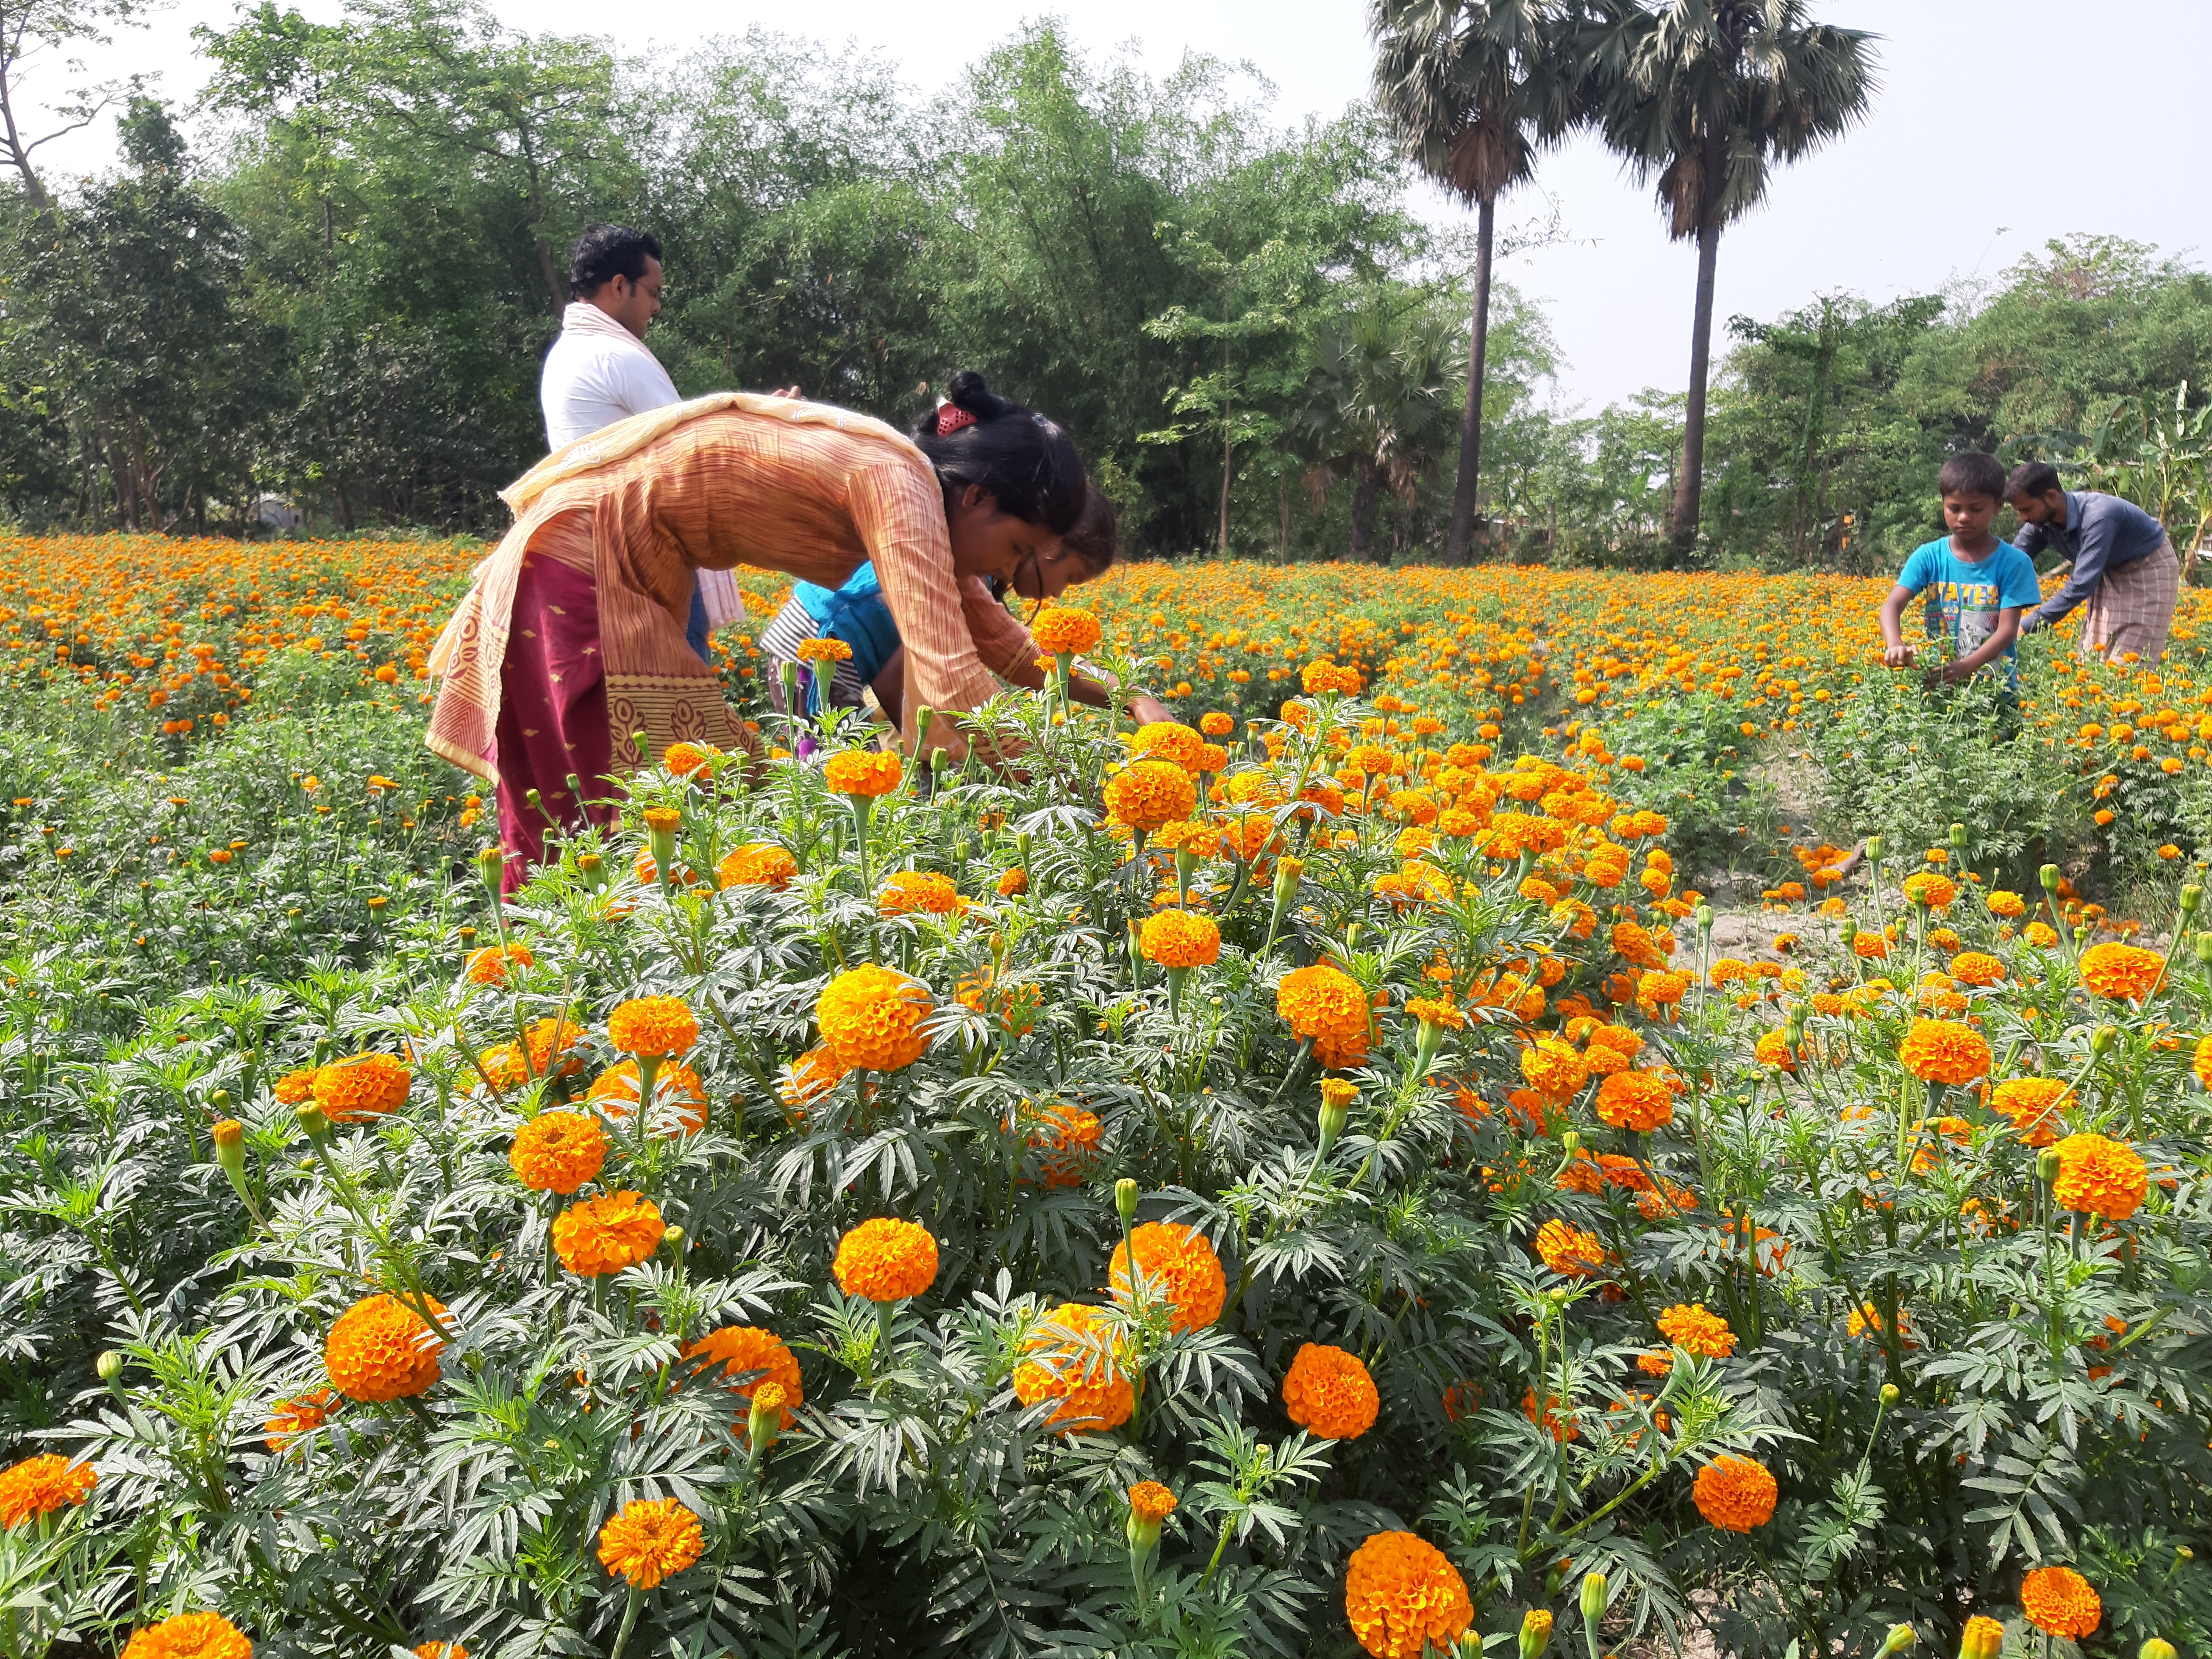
(801, 489)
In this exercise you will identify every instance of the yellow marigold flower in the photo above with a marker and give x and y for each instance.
(1695, 1330)
(1635, 1100)
(1983, 1639)
(2123, 973)
(1329, 1391)
(872, 1019)
(1074, 1350)
(365, 1086)
(189, 1636)
(1735, 1493)
(1200, 840)
(558, 1151)
(488, 965)
(1403, 1597)
(738, 1351)
(2009, 906)
(37, 1487)
(1977, 968)
(2041, 934)
(1179, 1264)
(1324, 675)
(2031, 1103)
(1570, 1251)
(2059, 1601)
(1150, 1501)
(886, 1259)
(1436, 1011)
(660, 1027)
(606, 1234)
(1065, 630)
(822, 648)
(289, 1418)
(2099, 1177)
(865, 772)
(1928, 888)
(1327, 1004)
(1168, 740)
(756, 864)
(614, 1091)
(1180, 938)
(380, 1349)
(1147, 793)
(2201, 1062)
(1554, 1069)
(1944, 1051)
(651, 1541)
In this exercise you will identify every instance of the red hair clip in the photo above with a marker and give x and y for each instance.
(951, 417)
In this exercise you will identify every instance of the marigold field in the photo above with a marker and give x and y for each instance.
(1438, 1149)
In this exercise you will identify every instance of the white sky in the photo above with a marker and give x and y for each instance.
(1999, 124)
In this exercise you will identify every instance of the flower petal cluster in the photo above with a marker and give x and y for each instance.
(1170, 741)
(291, 1418)
(2060, 1602)
(1735, 1493)
(1179, 1264)
(558, 1151)
(1150, 1501)
(381, 1349)
(189, 1636)
(756, 864)
(2099, 1177)
(886, 1259)
(1945, 1051)
(1065, 630)
(1694, 1329)
(1638, 1101)
(1570, 1250)
(735, 1351)
(1327, 1004)
(489, 965)
(1147, 793)
(1330, 1392)
(652, 1541)
(870, 1018)
(2121, 973)
(1075, 1359)
(918, 892)
(658, 1028)
(1404, 1597)
(605, 1235)
(614, 1091)
(37, 1486)
(863, 774)
(368, 1085)
(1180, 938)
(2032, 1103)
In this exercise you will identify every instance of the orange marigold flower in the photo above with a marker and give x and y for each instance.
(1695, 1330)
(2123, 973)
(614, 1091)
(1944, 1051)
(822, 648)
(870, 1018)
(1735, 1493)
(189, 1636)
(1068, 1134)
(441, 1650)
(688, 760)
(1926, 887)
(756, 864)
(1179, 1264)
(365, 1086)
(380, 1349)
(1168, 740)
(1570, 1250)
(1064, 630)
(918, 892)
(1150, 1501)
(1869, 945)
(2032, 1103)
(558, 1151)
(296, 1087)
(1147, 793)
(2009, 906)
(1554, 1069)
(740, 1352)
(1180, 938)
(1324, 675)
(488, 965)
(1216, 723)
(1329, 1391)
(1635, 1100)
(1977, 968)
(1327, 1004)
(1866, 1320)
(37, 1487)
(809, 1078)
(1772, 1050)
(865, 773)
(652, 1541)
(2099, 1177)
(2201, 1062)
(1078, 1351)
(2059, 1601)
(886, 1259)
(605, 1235)
(289, 1418)
(660, 1027)
(1012, 884)
(1403, 1596)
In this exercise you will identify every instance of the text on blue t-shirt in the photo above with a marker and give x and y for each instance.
(1966, 595)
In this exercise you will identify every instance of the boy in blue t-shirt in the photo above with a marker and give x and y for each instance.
(1982, 584)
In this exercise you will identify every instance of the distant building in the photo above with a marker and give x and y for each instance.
(277, 513)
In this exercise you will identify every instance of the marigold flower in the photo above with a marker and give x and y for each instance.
(2123, 973)
(1977, 968)
(441, 1650)
(1325, 676)
(1180, 938)
(1403, 1596)
(1327, 1004)
(822, 648)
(365, 1086)
(614, 1091)
(1064, 630)
(37, 1487)
(1147, 793)
(289, 1418)
(1735, 1493)
(1570, 1250)
(756, 864)
(1553, 1069)
(488, 965)
(870, 1018)
(1179, 1264)
(189, 1636)
(380, 1349)
(2099, 1177)
(1012, 884)
(886, 1259)
(1068, 1134)
(1928, 888)
(652, 1541)
(690, 760)
(1075, 1349)
(1866, 1320)
(1215, 724)
(1695, 1330)
(2007, 905)
(1772, 1050)
(2031, 1103)
(1329, 1391)
(1150, 1501)
(297, 1087)
(918, 892)
(558, 1151)
(809, 1078)
(2059, 1601)
(2041, 934)
(1636, 1100)
(1944, 1051)
(1168, 740)
(657, 1027)
(863, 773)
(605, 1235)
(738, 1351)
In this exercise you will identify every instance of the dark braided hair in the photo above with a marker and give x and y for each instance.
(1021, 458)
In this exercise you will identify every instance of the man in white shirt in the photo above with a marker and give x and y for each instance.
(599, 371)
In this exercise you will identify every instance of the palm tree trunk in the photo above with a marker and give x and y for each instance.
(1689, 484)
(1365, 486)
(1466, 487)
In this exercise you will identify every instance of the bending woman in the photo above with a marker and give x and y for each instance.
(566, 664)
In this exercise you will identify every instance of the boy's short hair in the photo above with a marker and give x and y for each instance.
(1972, 474)
(2036, 478)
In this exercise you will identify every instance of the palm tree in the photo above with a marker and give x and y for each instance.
(1703, 96)
(1472, 87)
(1377, 403)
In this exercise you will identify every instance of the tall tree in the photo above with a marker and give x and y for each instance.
(1703, 97)
(1472, 87)
(29, 27)
(1377, 404)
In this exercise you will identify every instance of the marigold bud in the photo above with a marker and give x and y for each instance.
(2156, 1647)
(673, 1237)
(1900, 1636)
(2102, 1039)
(1594, 1598)
(229, 1137)
(1703, 916)
(1125, 1198)
(313, 1120)
(1571, 1142)
(110, 1367)
(2049, 876)
(1889, 1394)
(1535, 1632)
(1873, 849)
(2191, 896)
(2046, 1165)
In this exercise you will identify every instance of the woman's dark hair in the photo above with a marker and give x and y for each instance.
(1095, 537)
(606, 252)
(1023, 458)
(2036, 478)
